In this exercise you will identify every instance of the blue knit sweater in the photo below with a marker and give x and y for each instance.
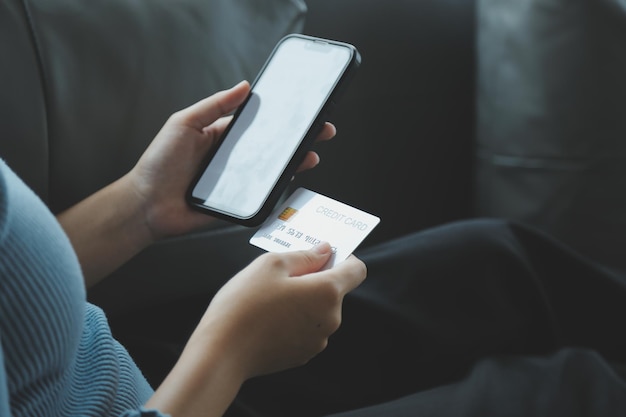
(57, 355)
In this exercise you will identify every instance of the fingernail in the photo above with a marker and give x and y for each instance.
(322, 248)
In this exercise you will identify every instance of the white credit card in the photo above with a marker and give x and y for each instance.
(307, 218)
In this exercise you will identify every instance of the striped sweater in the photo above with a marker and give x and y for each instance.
(57, 354)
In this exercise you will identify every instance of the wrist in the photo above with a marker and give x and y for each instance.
(106, 229)
(142, 211)
(133, 213)
(161, 207)
(204, 382)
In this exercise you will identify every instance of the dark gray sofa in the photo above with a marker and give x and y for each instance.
(461, 109)
(486, 108)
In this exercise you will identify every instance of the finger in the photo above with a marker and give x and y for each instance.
(310, 160)
(328, 132)
(305, 262)
(205, 112)
(347, 275)
(215, 130)
(210, 136)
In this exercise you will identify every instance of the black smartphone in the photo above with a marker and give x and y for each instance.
(245, 174)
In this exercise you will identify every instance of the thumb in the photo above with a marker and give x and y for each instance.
(205, 112)
(308, 261)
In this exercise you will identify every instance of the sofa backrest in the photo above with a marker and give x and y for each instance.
(551, 127)
(85, 86)
(23, 119)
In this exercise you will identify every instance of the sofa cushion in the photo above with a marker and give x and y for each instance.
(551, 122)
(112, 71)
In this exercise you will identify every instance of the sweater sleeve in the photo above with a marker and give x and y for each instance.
(58, 356)
(5, 407)
(144, 412)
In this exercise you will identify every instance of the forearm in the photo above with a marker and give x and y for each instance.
(106, 230)
(203, 383)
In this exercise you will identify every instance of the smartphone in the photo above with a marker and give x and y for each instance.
(245, 174)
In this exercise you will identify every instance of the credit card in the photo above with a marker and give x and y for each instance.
(307, 218)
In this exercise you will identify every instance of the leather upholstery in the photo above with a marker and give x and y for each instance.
(86, 86)
(551, 141)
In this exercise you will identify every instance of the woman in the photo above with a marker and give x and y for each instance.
(474, 318)
(58, 354)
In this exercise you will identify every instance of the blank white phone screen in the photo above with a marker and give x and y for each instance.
(284, 102)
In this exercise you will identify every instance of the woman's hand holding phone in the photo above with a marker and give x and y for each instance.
(163, 173)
